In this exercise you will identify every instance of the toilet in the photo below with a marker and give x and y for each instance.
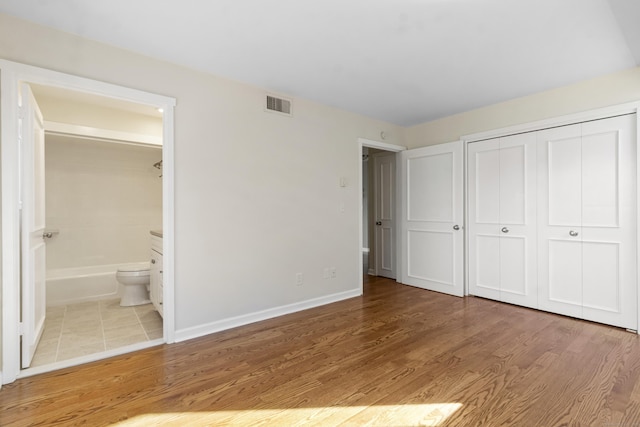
(135, 284)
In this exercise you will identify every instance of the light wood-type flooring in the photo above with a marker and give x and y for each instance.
(397, 356)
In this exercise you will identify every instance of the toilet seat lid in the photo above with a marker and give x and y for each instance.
(141, 266)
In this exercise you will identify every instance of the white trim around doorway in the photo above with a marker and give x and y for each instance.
(11, 75)
(363, 142)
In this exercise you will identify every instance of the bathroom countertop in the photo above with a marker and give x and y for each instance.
(157, 233)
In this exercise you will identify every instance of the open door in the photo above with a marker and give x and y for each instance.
(32, 201)
(384, 201)
(432, 218)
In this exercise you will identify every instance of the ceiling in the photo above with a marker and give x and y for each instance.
(403, 61)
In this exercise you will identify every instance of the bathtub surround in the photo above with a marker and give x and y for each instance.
(103, 198)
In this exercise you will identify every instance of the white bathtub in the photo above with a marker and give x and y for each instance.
(79, 284)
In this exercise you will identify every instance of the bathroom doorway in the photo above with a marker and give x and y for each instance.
(103, 196)
(95, 137)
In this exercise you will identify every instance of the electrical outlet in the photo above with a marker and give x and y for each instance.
(333, 273)
(299, 279)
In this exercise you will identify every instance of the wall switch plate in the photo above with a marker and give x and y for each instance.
(299, 279)
(326, 273)
(333, 273)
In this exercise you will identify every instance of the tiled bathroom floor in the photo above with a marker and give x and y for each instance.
(85, 328)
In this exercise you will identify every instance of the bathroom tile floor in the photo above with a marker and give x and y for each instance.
(91, 327)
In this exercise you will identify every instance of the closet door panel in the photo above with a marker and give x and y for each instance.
(513, 268)
(600, 279)
(484, 218)
(487, 266)
(600, 179)
(487, 185)
(513, 189)
(565, 174)
(518, 271)
(564, 278)
(609, 221)
(559, 201)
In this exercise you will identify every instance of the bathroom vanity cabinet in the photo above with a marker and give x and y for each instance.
(155, 273)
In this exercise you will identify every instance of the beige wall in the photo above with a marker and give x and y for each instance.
(70, 112)
(257, 195)
(104, 198)
(608, 90)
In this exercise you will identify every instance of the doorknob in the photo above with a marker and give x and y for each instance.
(505, 230)
(573, 233)
(378, 222)
(48, 234)
(456, 227)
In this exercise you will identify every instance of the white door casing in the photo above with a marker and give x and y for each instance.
(587, 241)
(432, 214)
(11, 76)
(33, 247)
(384, 235)
(502, 219)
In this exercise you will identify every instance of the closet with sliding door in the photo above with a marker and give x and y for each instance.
(552, 220)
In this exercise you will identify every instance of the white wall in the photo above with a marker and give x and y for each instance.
(104, 198)
(257, 195)
(617, 88)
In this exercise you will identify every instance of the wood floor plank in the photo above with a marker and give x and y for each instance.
(398, 355)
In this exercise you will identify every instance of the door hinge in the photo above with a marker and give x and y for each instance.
(21, 328)
(20, 112)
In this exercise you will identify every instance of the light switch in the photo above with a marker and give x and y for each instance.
(343, 181)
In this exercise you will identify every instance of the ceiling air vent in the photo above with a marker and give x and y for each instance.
(279, 105)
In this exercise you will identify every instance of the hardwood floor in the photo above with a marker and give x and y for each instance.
(396, 356)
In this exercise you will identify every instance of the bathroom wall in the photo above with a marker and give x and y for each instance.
(103, 198)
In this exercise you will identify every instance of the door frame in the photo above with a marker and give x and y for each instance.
(11, 75)
(364, 142)
(596, 114)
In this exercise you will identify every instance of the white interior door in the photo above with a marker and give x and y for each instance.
(588, 228)
(560, 220)
(518, 232)
(502, 219)
(432, 218)
(385, 215)
(484, 218)
(33, 225)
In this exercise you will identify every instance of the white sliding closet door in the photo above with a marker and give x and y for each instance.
(587, 221)
(502, 219)
(432, 218)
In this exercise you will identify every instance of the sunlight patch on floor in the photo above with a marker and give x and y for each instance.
(428, 414)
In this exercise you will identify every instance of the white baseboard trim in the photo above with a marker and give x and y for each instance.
(245, 319)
